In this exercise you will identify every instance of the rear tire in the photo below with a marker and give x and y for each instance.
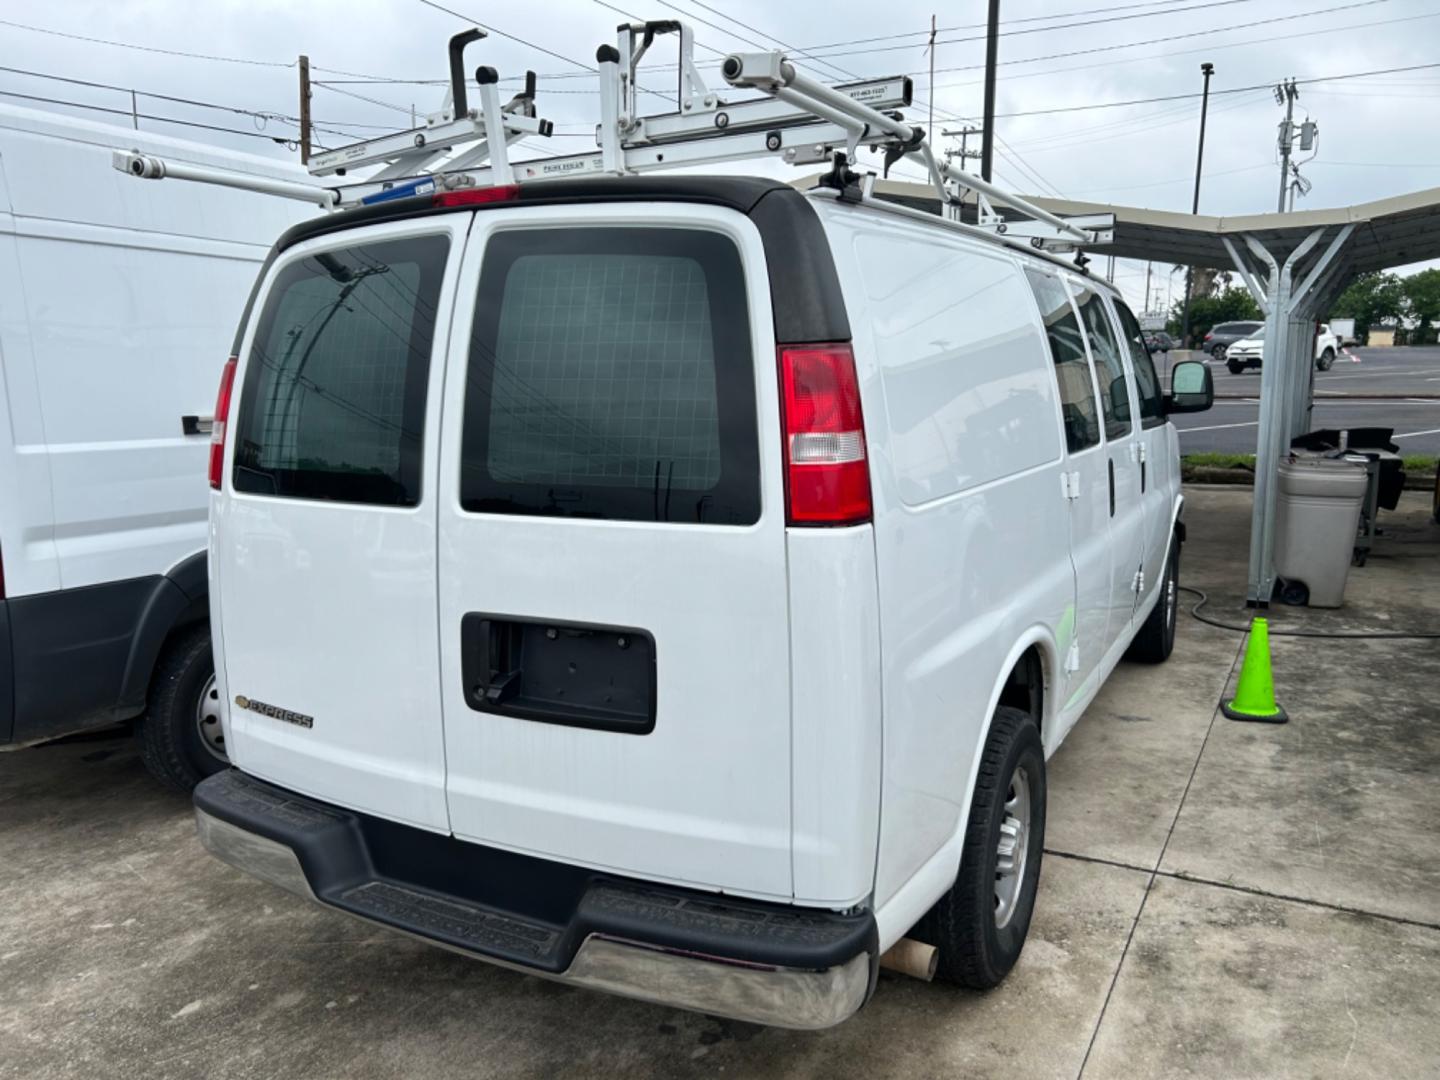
(1155, 640)
(979, 926)
(178, 735)
(1326, 361)
(1235, 366)
(1218, 352)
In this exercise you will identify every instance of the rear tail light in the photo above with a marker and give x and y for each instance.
(217, 428)
(1209, 336)
(827, 476)
(476, 196)
(2, 575)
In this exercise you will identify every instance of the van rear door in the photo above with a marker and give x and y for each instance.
(323, 545)
(612, 578)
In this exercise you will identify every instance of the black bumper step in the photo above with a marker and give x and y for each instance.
(518, 909)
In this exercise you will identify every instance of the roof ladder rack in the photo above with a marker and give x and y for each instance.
(797, 119)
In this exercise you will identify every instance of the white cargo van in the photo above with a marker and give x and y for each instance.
(118, 302)
(675, 585)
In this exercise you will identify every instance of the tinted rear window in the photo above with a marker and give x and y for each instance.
(611, 377)
(333, 405)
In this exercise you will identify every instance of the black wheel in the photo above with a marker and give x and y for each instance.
(1155, 640)
(979, 926)
(1327, 360)
(1218, 352)
(1294, 593)
(1235, 366)
(181, 741)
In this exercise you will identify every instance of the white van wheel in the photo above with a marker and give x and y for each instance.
(979, 926)
(181, 741)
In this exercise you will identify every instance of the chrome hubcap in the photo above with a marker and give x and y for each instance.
(207, 720)
(1013, 849)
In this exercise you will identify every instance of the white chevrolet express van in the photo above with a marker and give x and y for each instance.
(115, 300)
(675, 586)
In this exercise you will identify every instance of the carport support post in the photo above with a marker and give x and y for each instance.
(1284, 385)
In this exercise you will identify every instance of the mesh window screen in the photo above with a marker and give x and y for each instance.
(605, 373)
(611, 377)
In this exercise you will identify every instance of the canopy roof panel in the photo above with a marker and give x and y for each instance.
(1390, 232)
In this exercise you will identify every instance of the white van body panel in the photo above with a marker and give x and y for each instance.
(122, 299)
(968, 555)
(823, 695)
(329, 608)
(704, 799)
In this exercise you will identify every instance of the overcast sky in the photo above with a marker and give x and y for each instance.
(1378, 134)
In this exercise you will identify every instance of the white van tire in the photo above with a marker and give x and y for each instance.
(171, 744)
(1155, 640)
(977, 948)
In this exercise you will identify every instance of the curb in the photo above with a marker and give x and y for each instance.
(1343, 395)
(1215, 474)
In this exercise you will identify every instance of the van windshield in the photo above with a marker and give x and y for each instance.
(610, 376)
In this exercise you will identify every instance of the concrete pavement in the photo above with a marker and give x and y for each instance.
(1217, 899)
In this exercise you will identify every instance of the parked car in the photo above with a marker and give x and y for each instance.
(1249, 353)
(117, 300)
(1159, 341)
(558, 623)
(1223, 335)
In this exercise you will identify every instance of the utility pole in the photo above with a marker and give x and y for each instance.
(1285, 94)
(992, 49)
(304, 110)
(1148, 264)
(1206, 69)
(963, 134)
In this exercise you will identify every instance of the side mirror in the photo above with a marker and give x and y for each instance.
(1192, 388)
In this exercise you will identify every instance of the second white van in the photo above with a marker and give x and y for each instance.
(675, 586)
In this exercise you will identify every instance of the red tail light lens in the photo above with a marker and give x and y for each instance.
(217, 429)
(476, 196)
(826, 472)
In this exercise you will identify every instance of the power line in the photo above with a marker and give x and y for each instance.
(1213, 93)
(361, 97)
(257, 113)
(1005, 22)
(490, 28)
(283, 139)
(1169, 37)
(145, 48)
(1062, 26)
(1207, 49)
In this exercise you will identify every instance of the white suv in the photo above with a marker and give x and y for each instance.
(676, 585)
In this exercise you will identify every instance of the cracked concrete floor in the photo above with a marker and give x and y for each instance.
(1218, 899)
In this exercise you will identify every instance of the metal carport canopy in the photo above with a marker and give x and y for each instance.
(1294, 264)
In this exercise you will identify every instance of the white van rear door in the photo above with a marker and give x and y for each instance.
(323, 542)
(613, 613)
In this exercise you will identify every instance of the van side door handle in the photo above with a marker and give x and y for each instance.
(1111, 463)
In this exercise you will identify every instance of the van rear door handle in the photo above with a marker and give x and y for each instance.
(197, 425)
(1111, 463)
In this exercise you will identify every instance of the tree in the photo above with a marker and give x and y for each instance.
(1422, 301)
(1372, 298)
(1226, 305)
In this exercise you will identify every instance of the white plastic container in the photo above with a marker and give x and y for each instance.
(1318, 514)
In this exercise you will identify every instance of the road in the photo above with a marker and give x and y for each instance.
(1231, 425)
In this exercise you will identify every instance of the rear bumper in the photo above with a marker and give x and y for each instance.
(764, 963)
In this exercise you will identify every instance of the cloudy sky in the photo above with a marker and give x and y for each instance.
(1060, 60)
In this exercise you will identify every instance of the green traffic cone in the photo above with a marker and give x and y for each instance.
(1255, 693)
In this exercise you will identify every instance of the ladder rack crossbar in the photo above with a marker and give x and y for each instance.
(795, 118)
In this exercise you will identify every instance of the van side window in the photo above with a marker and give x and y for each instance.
(333, 405)
(1109, 366)
(1072, 367)
(611, 377)
(1147, 382)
